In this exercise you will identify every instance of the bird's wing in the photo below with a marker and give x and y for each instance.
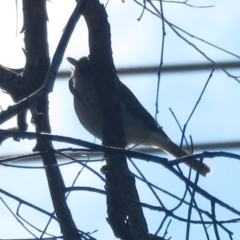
(73, 89)
(132, 105)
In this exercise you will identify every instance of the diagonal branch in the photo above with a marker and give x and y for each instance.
(52, 71)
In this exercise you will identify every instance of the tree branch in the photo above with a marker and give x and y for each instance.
(126, 219)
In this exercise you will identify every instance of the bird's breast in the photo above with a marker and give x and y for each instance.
(88, 115)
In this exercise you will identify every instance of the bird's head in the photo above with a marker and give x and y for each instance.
(81, 72)
(81, 65)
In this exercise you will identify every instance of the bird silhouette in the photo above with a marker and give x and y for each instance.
(138, 124)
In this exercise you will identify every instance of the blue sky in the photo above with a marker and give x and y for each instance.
(135, 43)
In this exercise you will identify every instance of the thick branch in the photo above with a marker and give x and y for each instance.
(37, 64)
(126, 220)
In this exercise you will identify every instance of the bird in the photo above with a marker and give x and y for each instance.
(138, 124)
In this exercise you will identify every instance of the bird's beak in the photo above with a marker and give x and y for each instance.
(72, 61)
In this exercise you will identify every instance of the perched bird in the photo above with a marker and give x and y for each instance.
(138, 125)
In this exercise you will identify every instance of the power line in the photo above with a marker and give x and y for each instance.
(173, 68)
(199, 147)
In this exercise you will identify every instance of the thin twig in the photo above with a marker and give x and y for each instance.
(199, 99)
(189, 5)
(161, 61)
(172, 26)
(146, 182)
(141, 156)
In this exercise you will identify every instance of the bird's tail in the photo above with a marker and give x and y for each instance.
(164, 143)
(195, 164)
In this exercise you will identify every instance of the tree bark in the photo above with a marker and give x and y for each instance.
(126, 219)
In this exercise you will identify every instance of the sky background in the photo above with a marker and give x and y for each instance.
(134, 43)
